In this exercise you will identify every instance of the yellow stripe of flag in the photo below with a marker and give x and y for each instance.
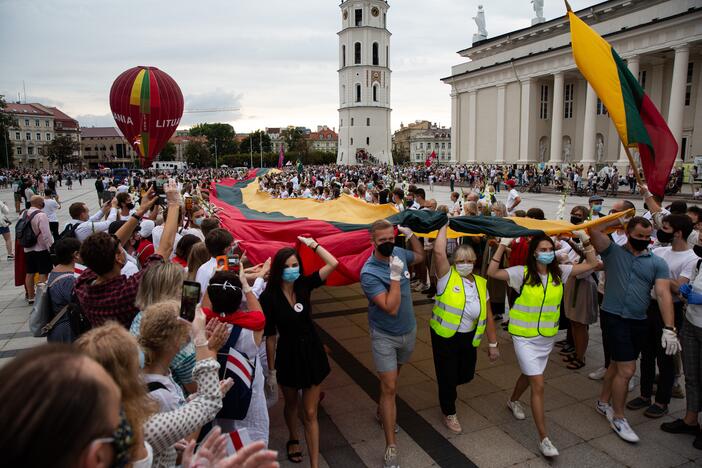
(135, 97)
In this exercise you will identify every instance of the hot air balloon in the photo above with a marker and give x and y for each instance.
(147, 105)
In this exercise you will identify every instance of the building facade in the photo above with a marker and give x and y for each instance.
(106, 146)
(521, 99)
(432, 140)
(364, 82)
(324, 140)
(182, 141)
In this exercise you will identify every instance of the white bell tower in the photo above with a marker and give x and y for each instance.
(364, 82)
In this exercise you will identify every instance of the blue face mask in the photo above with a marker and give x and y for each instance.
(545, 257)
(290, 274)
(596, 208)
(198, 221)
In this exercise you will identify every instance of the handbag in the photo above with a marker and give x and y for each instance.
(41, 316)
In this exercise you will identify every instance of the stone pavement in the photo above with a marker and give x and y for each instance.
(350, 436)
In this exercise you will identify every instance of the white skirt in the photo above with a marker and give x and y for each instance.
(532, 353)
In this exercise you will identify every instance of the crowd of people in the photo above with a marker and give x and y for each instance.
(166, 346)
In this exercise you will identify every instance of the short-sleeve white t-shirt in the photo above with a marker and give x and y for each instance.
(680, 264)
(516, 276)
(472, 307)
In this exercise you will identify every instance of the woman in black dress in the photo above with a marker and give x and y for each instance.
(300, 362)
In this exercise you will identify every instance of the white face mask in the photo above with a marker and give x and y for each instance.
(464, 269)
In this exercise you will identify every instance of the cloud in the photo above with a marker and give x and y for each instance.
(216, 99)
(88, 120)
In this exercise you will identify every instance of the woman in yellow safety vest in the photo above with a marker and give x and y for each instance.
(534, 316)
(459, 319)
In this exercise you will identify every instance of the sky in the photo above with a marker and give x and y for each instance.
(274, 60)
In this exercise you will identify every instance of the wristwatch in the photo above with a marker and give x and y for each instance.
(136, 216)
(673, 329)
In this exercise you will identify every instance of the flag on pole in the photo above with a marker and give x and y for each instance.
(430, 159)
(281, 157)
(237, 440)
(635, 117)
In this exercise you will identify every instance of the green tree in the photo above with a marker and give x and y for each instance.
(168, 152)
(7, 122)
(197, 154)
(256, 139)
(295, 140)
(219, 134)
(60, 151)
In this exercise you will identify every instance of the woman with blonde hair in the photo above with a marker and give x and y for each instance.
(155, 434)
(160, 283)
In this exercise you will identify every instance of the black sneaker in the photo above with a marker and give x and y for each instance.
(638, 403)
(566, 350)
(656, 411)
(679, 426)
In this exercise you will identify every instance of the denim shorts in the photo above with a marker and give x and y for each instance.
(391, 351)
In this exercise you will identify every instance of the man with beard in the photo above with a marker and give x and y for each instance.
(386, 283)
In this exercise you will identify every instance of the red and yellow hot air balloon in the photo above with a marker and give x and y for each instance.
(147, 105)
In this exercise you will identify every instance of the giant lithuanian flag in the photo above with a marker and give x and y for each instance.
(636, 118)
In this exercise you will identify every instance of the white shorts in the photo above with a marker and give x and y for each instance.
(532, 353)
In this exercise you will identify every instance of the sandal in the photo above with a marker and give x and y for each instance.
(295, 457)
(570, 357)
(576, 364)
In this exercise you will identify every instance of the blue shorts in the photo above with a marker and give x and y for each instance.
(5, 229)
(390, 351)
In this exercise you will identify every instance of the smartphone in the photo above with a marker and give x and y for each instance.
(189, 299)
(160, 192)
(189, 204)
(233, 263)
(222, 263)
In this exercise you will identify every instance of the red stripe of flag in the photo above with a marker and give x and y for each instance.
(240, 366)
(236, 440)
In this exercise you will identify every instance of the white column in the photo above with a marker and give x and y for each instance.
(557, 120)
(677, 94)
(500, 125)
(455, 125)
(588, 158)
(633, 64)
(472, 113)
(524, 127)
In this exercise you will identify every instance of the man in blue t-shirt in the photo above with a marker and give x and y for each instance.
(386, 283)
(632, 271)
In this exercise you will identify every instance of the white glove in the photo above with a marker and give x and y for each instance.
(397, 267)
(582, 235)
(271, 383)
(405, 231)
(505, 241)
(669, 340)
(308, 241)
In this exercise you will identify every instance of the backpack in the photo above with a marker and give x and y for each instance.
(238, 366)
(77, 319)
(69, 232)
(23, 230)
(40, 318)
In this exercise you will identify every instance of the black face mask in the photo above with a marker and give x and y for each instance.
(664, 237)
(639, 245)
(698, 250)
(385, 249)
(130, 206)
(409, 203)
(575, 220)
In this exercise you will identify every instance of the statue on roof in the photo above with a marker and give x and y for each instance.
(479, 19)
(539, 10)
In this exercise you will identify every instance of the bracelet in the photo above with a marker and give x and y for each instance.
(315, 247)
(200, 343)
(136, 216)
(495, 260)
(247, 290)
(492, 345)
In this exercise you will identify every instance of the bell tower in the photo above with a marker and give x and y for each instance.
(364, 83)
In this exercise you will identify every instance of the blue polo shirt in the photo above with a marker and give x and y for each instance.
(375, 279)
(629, 280)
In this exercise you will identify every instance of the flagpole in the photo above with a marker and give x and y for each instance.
(633, 165)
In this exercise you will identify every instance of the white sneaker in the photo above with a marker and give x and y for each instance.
(598, 374)
(633, 382)
(451, 421)
(605, 409)
(623, 429)
(517, 409)
(547, 448)
(390, 459)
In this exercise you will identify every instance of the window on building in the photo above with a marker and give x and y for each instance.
(27, 136)
(367, 121)
(38, 136)
(17, 135)
(443, 145)
(601, 109)
(343, 94)
(367, 140)
(688, 84)
(341, 122)
(543, 106)
(375, 93)
(343, 55)
(421, 145)
(19, 150)
(376, 58)
(26, 122)
(359, 17)
(642, 78)
(36, 122)
(387, 56)
(48, 137)
(358, 93)
(683, 148)
(352, 121)
(449, 145)
(385, 18)
(352, 141)
(568, 92)
(30, 151)
(46, 123)
(357, 53)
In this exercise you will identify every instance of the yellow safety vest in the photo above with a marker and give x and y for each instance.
(449, 307)
(537, 310)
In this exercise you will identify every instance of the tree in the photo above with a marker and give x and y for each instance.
(220, 134)
(255, 139)
(168, 152)
(60, 151)
(7, 122)
(197, 154)
(295, 139)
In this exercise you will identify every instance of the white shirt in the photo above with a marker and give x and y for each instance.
(204, 274)
(516, 276)
(195, 232)
(93, 224)
(694, 311)
(156, 234)
(513, 195)
(50, 207)
(169, 398)
(681, 264)
(123, 188)
(471, 311)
